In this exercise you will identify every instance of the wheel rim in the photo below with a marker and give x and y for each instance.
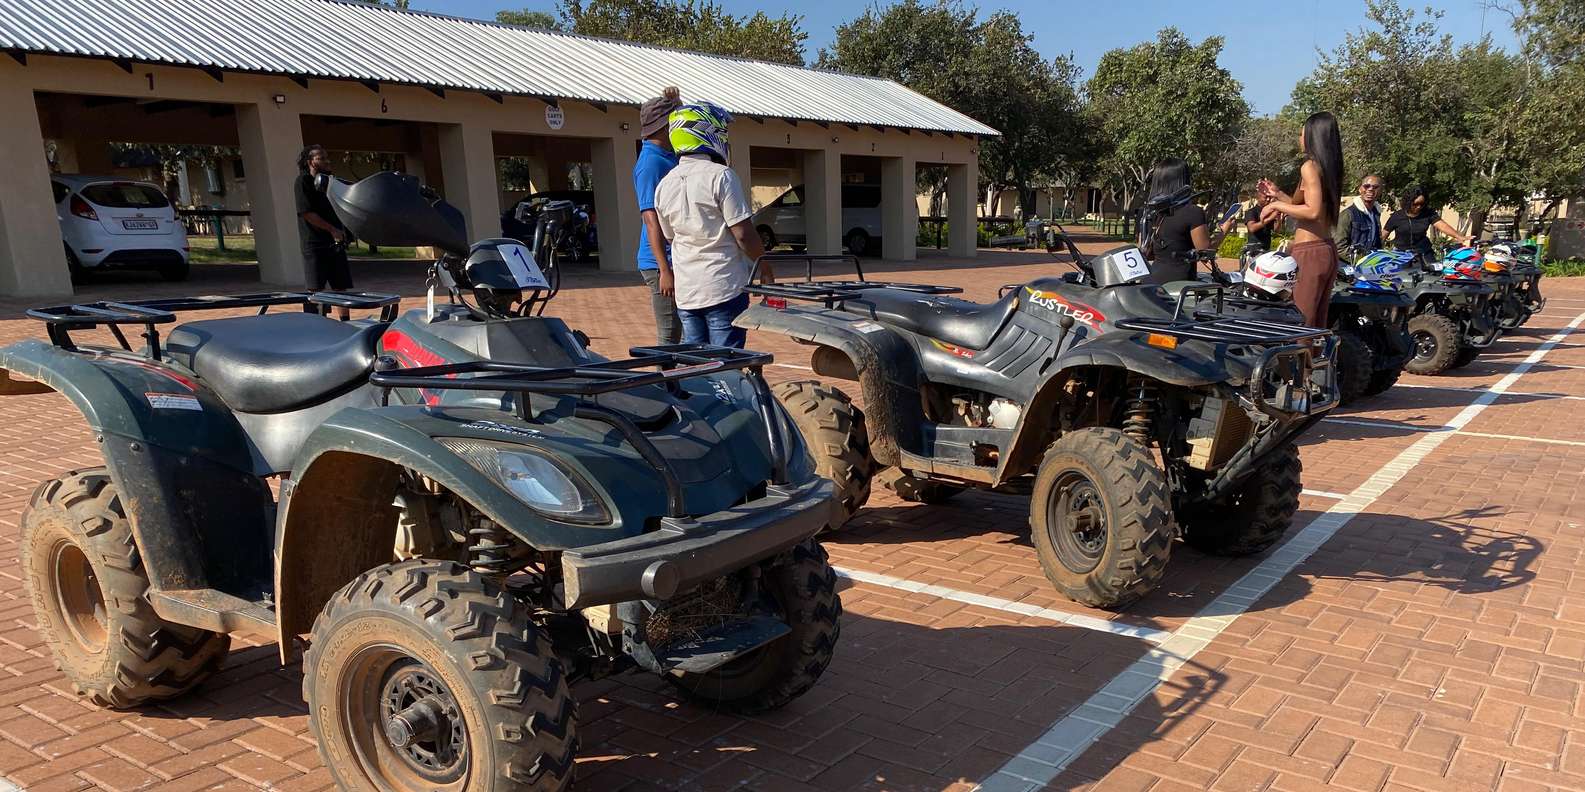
(78, 600)
(404, 723)
(1424, 346)
(1077, 522)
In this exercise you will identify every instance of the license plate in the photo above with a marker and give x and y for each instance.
(141, 225)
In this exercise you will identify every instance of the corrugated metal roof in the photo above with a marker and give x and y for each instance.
(329, 39)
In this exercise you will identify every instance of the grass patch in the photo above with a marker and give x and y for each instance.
(240, 249)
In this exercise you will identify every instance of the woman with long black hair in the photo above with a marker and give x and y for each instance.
(1410, 227)
(1181, 231)
(1314, 208)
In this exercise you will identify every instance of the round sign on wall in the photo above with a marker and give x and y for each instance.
(554, 117)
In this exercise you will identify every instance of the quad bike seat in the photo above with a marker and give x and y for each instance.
(958, 322)
(276, 362)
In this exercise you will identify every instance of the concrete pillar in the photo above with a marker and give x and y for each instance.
(899, 209)
(823, 201)
(962, 218)
(429, 158)
(413, 165)
(742, 164)
(467, 155)
(615, 203)
(272, 137)
(32, 259)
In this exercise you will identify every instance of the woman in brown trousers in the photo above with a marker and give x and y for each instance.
(1314, 208)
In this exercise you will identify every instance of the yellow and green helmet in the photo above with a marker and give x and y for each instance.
(700, 127)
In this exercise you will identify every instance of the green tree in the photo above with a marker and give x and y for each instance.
(699, 25)
(987, 69)
(1164, 98)
(1552, 33)
(544, 20)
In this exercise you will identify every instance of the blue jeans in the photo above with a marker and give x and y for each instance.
(713, 325)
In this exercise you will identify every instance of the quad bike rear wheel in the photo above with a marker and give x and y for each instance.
(1380, 381)
(1355, 362)
(803, 587)
(833, 428)
(1254, 515)
(425, 675)
(1435, 342)
(1101, 518)
(915, 490)
(89, 591)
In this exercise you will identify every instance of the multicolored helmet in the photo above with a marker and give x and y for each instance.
(1462, 263)
(700, 127)
(1274, 273)
(1499, 258)
(1378, 270)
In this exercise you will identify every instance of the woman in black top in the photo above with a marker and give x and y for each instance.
(1184, 230)
(1410, 227)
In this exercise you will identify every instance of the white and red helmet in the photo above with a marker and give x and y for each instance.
(1274, 273)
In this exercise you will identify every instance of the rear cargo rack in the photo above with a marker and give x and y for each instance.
(675, 362)
(1224, 330)
(61, 320)
(831, 292)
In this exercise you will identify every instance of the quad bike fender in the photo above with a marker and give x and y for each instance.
(885, 363)
(176, 455)
(337, 517)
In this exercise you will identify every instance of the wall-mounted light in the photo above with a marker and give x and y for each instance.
(835, 139)
(625, 126)
(280, 99)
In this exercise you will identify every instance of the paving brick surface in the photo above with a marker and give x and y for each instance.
(1436, 642)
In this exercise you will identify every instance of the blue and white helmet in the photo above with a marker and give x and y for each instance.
(700, 127)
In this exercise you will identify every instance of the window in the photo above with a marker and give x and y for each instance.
(793, 197)
(236, 169)
(861, 196)
(125, 195)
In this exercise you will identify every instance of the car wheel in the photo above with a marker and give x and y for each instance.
(858, 242)
(75, 267)
(174, 271)
(767, 238)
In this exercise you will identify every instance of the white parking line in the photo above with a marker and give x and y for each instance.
(1044, 759)
(1323, 494)
(791, 366)
(1524, 394)
(997, 603)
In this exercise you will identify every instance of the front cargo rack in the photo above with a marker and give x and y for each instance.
(831, 292)
(672, 363)
(63, 319)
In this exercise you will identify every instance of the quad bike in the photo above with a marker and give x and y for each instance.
(474, 512)
(1518, 283)
(1130, 418)
(1453, 316)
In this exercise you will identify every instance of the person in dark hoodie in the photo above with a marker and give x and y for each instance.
(1359, 225)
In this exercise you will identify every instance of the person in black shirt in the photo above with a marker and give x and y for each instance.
(1182, 231)
(1259, 232)
(1410, 227)
(324, 237)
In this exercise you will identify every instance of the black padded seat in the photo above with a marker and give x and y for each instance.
(276, 362)
(958, 322)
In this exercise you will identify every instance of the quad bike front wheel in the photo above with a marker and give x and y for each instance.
(802, 587)
(1465, 357)
(425, 675)
(1101, 518)
(1380, 381)
(1355, 362)
(89, 591)
(1254, 515)
(833, 429)
(1435, 342)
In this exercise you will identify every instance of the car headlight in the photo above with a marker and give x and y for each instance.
(537, 480)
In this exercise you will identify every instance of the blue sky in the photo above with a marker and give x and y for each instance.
(1269, 45)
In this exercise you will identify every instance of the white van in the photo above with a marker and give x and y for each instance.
(781, 222)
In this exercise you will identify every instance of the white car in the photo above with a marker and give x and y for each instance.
(781, 222)
(117, 223)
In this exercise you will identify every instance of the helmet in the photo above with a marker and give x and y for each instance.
(1274, 273)
(1499, 258)
(1462, 263)
(700, 127)
(1379, 269)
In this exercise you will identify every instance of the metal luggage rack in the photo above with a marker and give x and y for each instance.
(61, 320)
(675, 362)
(1219, 328)
(831, 292)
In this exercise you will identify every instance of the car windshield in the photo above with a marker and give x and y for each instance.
(125, 195)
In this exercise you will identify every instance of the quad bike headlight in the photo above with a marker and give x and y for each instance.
(537, 480)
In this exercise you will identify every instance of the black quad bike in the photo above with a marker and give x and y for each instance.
(1453, 319)
(1130, 418)
(474, 512)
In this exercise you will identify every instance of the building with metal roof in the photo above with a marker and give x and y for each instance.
(450, 96)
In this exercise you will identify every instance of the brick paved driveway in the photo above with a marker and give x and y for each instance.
(1429, 637)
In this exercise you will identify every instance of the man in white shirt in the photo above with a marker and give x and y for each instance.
(705, 213)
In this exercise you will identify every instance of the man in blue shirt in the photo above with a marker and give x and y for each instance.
(655, 160)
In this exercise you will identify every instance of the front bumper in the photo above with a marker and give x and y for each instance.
(687, 551)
